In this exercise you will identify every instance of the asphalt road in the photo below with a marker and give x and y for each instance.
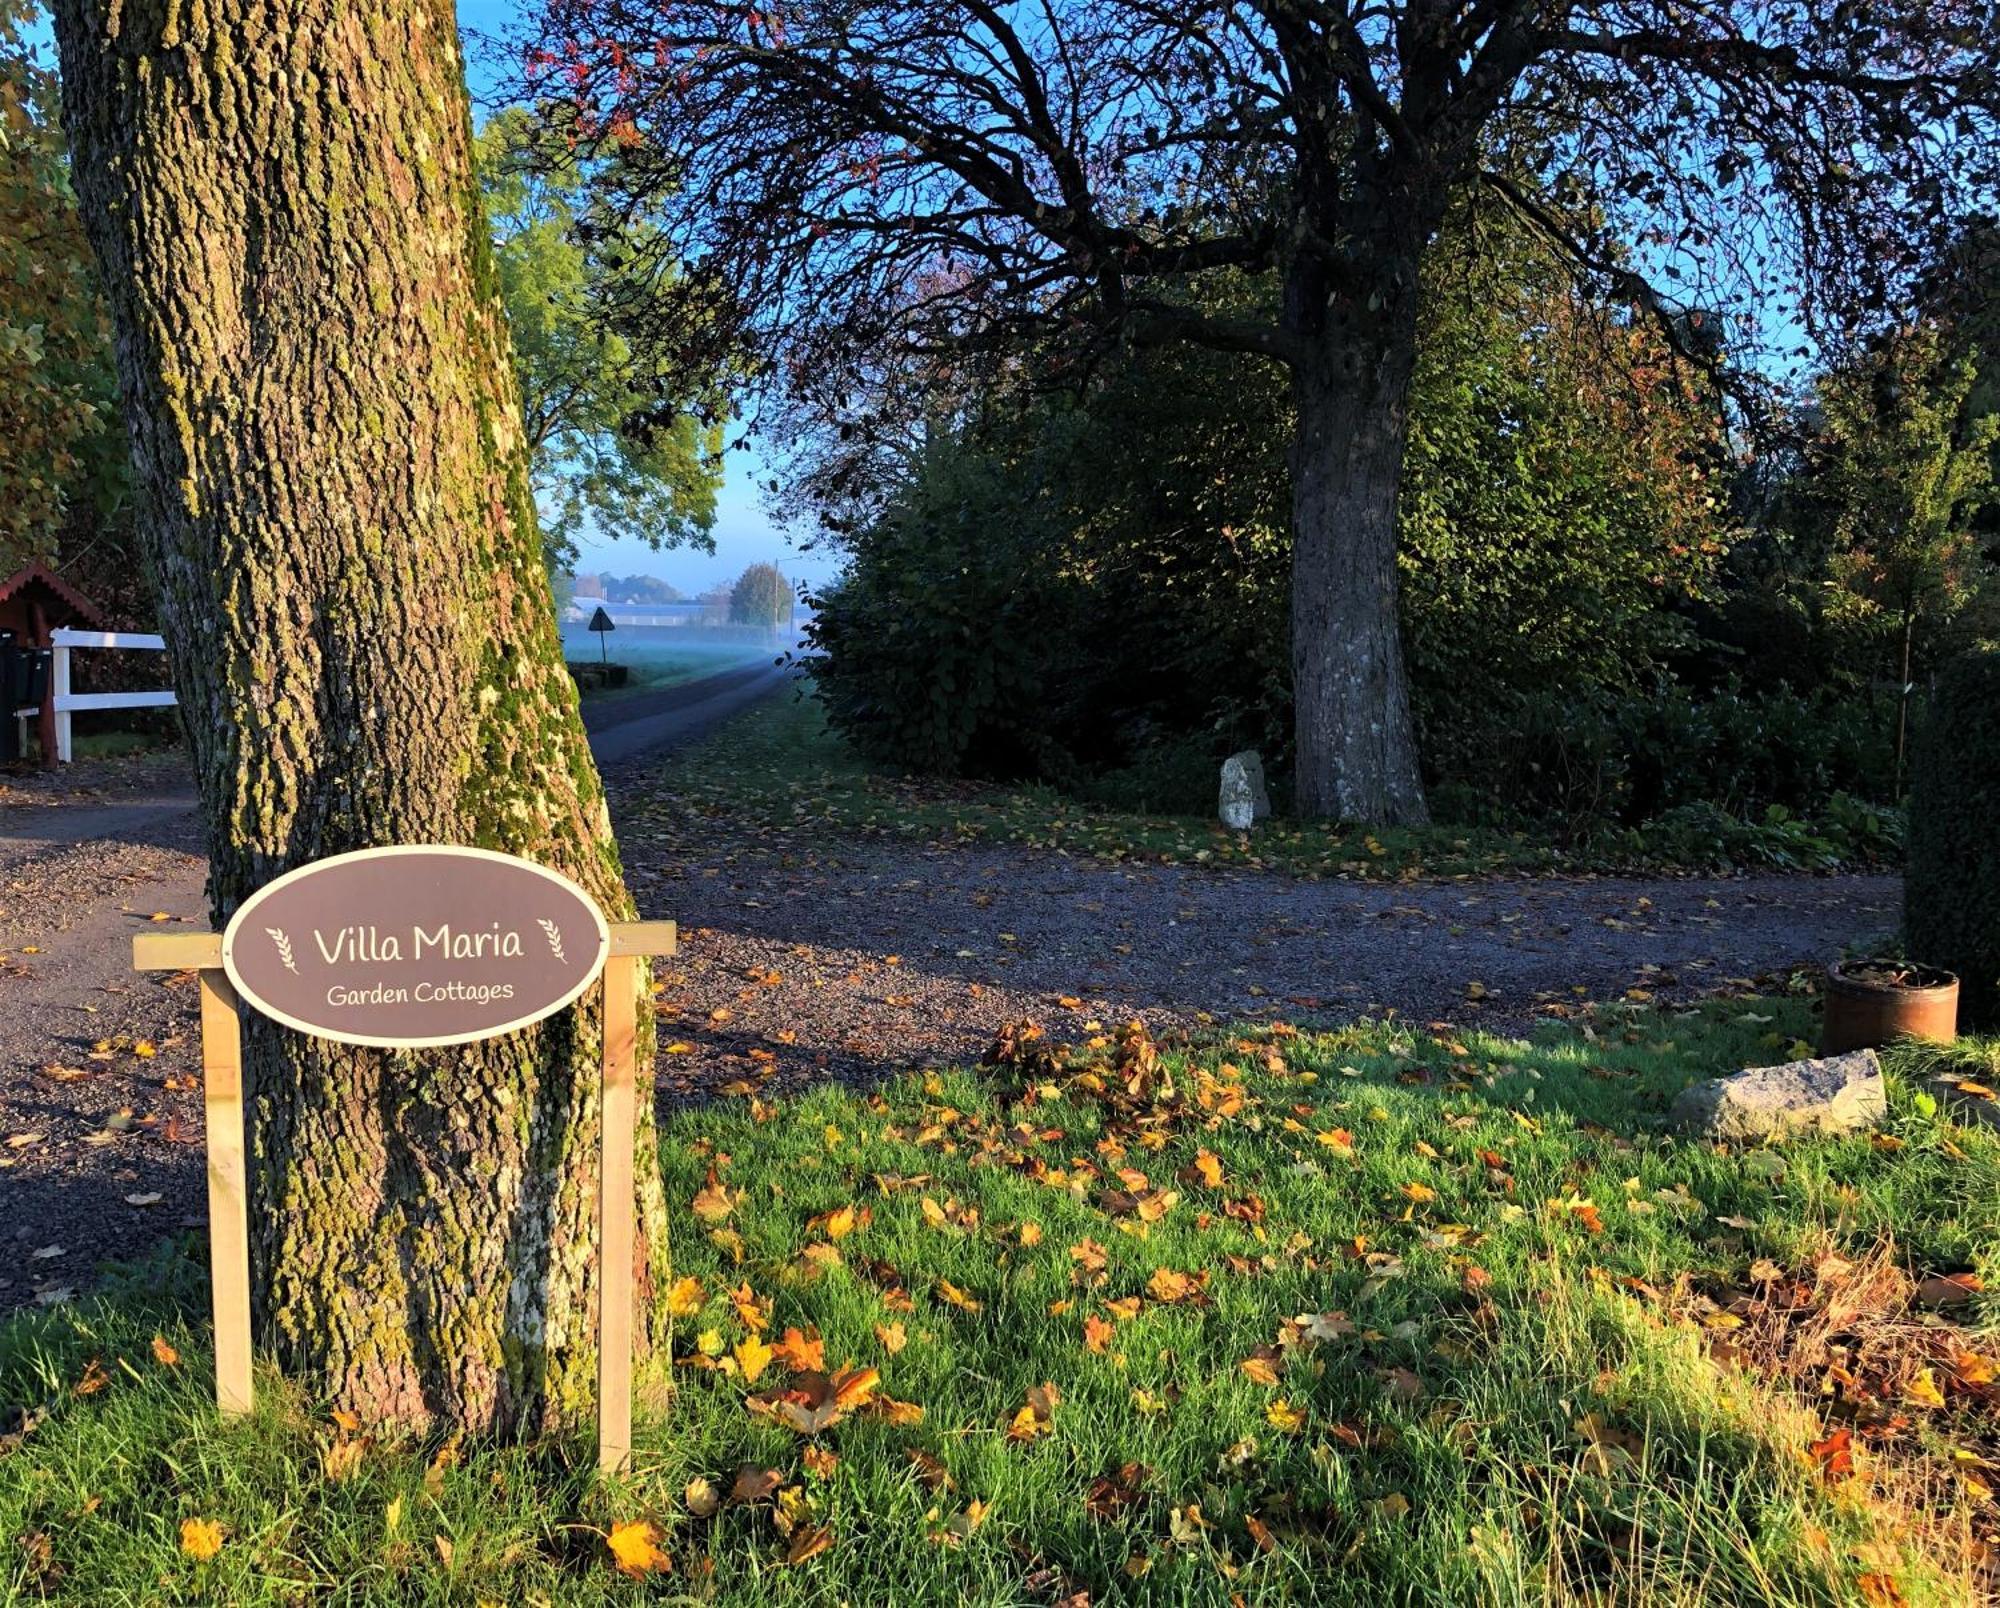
(622, 729)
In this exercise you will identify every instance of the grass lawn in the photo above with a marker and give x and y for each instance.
(1380, 1315)
(781, 764)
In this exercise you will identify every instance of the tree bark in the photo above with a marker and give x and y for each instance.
(1356, 741)
(334, 506)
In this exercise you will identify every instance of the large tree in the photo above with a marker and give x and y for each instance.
(850, 176)
(333, 498)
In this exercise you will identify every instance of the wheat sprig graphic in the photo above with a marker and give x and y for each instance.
(554, 934)
(284, 950)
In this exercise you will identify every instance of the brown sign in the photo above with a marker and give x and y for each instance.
(409, 946)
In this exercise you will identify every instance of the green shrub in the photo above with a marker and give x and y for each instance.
(1951, 905)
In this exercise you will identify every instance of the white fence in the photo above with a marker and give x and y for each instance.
(66, 641)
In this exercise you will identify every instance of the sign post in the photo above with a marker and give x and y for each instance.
(600, 622)
(407, 947)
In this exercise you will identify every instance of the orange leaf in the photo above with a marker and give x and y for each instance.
(1835, 1454)
(808, 1541)
(1261, 1370)
(1096, 1333)
(801, 1353)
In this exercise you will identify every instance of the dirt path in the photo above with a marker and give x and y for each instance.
(803, 960)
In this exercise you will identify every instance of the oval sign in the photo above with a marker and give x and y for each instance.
(415, 945)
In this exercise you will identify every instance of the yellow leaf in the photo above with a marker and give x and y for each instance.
(634, 1547)
(1923, 1390)
(892, 1336)
(753, 1357)
(201, 1539)
(1281, 1414)
(840, 1224)
(1261, 1370)
(684, 1298)
(1419, 1192)
(1208, 1166)
(957, 1297)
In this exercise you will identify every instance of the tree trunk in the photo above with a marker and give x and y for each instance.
(334, 506)
(1356, 742)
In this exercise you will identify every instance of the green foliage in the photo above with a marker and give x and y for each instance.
(615, 453)
(1951, 906)
(781, 762)
(761, 598)
(1559, 500)
(61, 442)
(1623, 758)
(1902, 471)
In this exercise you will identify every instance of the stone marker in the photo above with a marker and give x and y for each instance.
(1244, 802)
(1835, 1094)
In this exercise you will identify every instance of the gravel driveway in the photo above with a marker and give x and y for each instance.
(804, 959)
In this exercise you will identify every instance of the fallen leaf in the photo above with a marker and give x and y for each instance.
(1923, 1390)
(1282, 1415)
(201, 1539)
(1949, 1289)
(635, 1548)
(753, 1357)
(958, 1298)
(164, 1354)
(808, 1541)
(802, 1353)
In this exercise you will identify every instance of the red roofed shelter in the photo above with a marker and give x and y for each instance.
(33, 602)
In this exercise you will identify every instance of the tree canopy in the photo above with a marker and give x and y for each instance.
(618, 448)
(60, 440)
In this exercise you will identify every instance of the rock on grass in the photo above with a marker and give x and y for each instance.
(1835, 1094)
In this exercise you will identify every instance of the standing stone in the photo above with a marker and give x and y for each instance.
(1836, 1094)
(1244, 802)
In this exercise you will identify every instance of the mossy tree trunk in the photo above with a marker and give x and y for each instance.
(334, 505)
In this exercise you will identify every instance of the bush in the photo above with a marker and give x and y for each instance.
(1592, 758)
(1951, 904)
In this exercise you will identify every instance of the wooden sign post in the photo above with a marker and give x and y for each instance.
(326, 950)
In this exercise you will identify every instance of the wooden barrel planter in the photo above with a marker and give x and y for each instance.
(1870, 1002)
